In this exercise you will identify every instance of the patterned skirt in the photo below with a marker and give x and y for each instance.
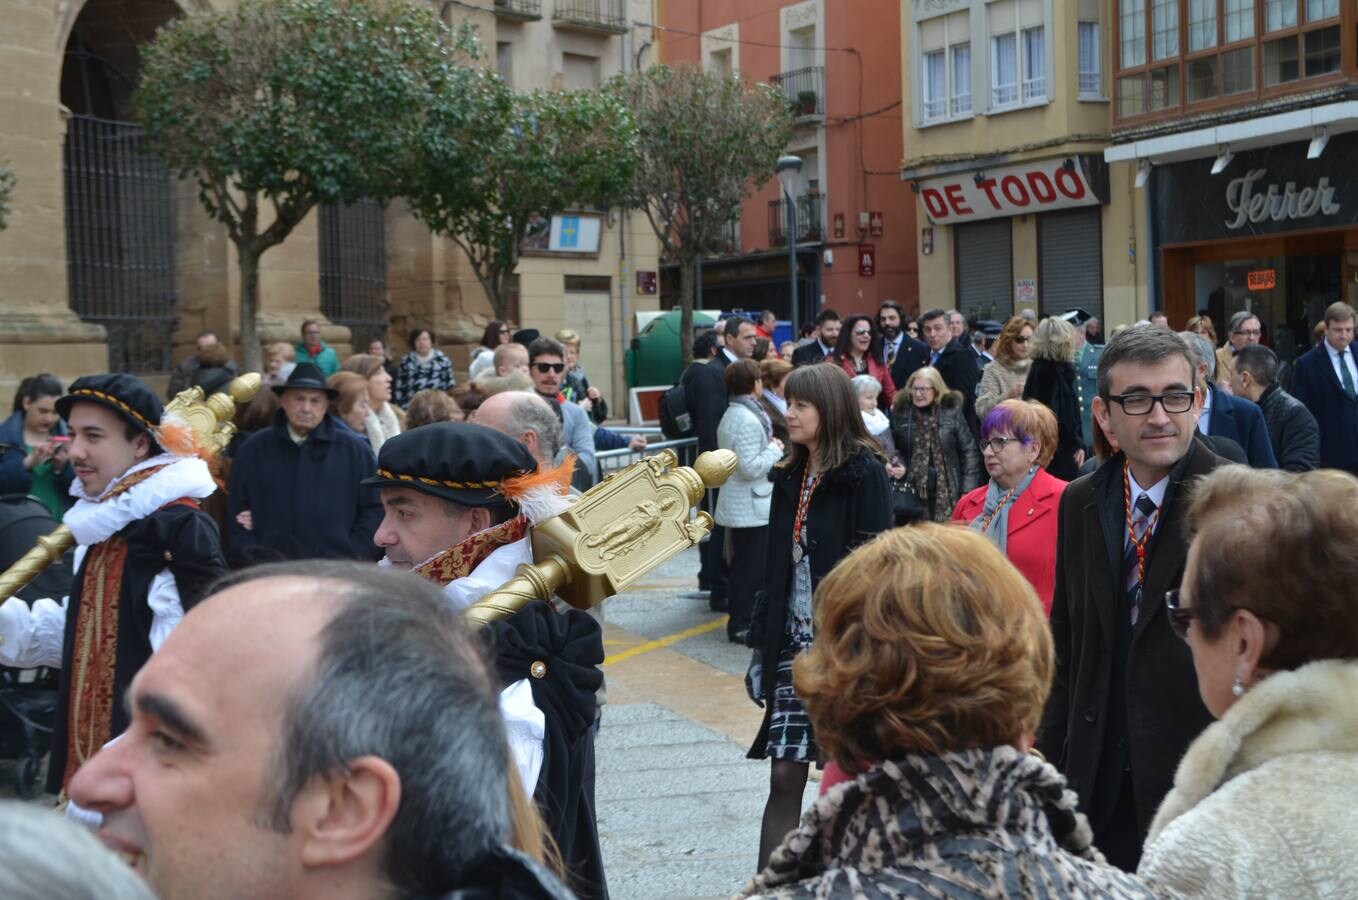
(790, 736)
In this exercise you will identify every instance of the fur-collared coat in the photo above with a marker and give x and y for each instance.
(989, 822)
(1263, 802)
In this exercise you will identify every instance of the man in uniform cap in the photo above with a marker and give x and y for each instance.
(1086, 370)
(145, 552)
(459, 499)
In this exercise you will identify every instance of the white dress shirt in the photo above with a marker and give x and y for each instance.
(1336, 360)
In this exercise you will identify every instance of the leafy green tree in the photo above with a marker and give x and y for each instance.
(706, 141)
(278, 105)
(6, 191)
(493, 163)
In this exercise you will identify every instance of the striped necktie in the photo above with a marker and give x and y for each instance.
(1142, 511)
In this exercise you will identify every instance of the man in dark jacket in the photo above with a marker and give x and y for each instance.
(182, 378)
(827, 337)
(1326, 382)
(1292, 430)
(1225, 416)
(706, 398)
(956, 363)
(294, 488)
(1124, 704)
(900, 352)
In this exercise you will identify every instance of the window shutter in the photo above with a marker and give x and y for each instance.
(984, 259)
(1070, 261)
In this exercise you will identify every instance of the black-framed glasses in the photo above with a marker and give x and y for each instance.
(996, 445)
(1172, 402)
(544, 368)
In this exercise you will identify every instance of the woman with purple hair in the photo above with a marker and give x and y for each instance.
(1017, 510)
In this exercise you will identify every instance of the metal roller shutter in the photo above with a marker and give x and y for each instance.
(1070, 261)
(985, 267)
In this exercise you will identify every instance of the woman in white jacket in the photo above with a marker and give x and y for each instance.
(743, 501)
(1263, 801)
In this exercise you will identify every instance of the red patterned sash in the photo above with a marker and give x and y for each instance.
(460, 560)
(93, 662)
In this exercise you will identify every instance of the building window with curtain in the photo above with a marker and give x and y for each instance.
(1090, 81)
(1164, 29)
(945, 67)
(1132, 34)
(1018, 53)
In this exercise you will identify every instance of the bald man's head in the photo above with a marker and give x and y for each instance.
(526, 417)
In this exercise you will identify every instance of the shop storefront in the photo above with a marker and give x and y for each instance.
(1274, 232)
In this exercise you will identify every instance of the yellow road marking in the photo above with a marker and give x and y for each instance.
(666, 641)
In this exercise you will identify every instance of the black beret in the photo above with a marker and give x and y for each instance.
(126, 395)
(458, 461)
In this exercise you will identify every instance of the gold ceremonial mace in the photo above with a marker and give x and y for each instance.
(619, 530)
(210, 419)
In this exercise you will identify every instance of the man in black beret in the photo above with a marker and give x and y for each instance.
(145, 553)
(295, 489)
(459, 500)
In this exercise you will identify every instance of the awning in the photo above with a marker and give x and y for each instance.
(1264, 131)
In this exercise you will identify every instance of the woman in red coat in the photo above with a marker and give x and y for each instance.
(1017, 510)
(859, 352)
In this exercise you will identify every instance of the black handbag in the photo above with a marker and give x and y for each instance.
(906, 505)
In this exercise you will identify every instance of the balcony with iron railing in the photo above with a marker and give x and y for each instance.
(810, 221)
(522, 10)
(605, 16)
(805, 92)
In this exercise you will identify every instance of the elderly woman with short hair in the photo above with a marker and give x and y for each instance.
(1263, 801)
(928, 680)
(1051, 382)
(867, 389)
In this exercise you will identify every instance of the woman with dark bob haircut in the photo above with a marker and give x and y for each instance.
(928, 678)
(830, 494)
(1263, 801)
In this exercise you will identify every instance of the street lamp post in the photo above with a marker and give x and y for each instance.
(790, 177)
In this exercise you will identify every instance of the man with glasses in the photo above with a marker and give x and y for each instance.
(1124, 704)
(1243, 329)
(547, 368)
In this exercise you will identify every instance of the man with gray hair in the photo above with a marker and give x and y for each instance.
(1224, 416)
(1292, 430)
(526, 418)
(315, 730)
(1242, 330)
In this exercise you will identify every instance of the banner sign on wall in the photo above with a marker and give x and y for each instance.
(1062, 183)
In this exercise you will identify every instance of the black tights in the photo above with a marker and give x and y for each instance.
(787, 783)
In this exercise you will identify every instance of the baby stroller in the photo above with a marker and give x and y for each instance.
(28, 697)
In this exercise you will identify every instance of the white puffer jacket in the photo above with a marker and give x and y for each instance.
(743, 501)
(1263, 801)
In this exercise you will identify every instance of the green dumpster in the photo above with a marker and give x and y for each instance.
(654, 357)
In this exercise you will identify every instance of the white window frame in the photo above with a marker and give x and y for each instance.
(1090, 79)
(956, 35)
(1025, 89)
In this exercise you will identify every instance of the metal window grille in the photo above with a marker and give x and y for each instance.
(810, 227)
(120, 256)
(519, 9)
(804, 89)
(354, 269)
(602, 15)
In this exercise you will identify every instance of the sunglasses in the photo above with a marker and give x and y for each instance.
(1021, 340)
(544, 368)
(861, 333)
(1181, 616)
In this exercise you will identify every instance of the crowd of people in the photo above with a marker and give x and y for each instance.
(1057, 617)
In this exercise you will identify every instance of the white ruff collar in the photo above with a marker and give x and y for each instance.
(95, 519)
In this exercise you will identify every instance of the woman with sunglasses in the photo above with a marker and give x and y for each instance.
(910, 325)
(1051, 382)
(859, 352)
(1003, 377)
(1017, 510)
(1263, 801)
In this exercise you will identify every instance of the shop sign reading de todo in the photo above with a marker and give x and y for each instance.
(1010, 191)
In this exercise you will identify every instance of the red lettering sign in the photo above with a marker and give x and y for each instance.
(933, 202)
(1048, 184)
(956, 200)
(1262, 280)
(1014, 191)
(867, 260)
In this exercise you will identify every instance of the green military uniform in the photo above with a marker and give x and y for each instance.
(1087, 384)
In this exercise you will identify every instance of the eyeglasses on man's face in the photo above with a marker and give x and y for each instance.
(544, 368)
(1172, 402)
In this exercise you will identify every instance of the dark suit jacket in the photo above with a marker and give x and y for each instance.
(1316, 385)
(808, 354)
(957, 365)
(706, 399)
(1163, 712)
(912, 355)
(1241, 421)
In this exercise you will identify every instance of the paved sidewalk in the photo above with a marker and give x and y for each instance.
(679, 804)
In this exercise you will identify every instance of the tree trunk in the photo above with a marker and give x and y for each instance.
(686, 290)
(249, 302)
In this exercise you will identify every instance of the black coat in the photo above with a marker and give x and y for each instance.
(851, 505)
(179, 537)
(960, 450)
(957, 365)
(1087, 732)
(1319, 389)
(912, 356)
(305, 499)
(1291, 429)
(808, 354)
(1052, 384)
(706, 398)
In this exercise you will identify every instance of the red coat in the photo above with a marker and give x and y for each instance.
(879, 371)
(1031, 545)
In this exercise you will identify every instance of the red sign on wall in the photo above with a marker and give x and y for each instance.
(1010, 191)
(1262, 279)
(867, 260)
(875, 224)
(646, 282)
(839, 226)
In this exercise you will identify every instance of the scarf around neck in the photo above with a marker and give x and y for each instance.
(875, 421)
(749, 403)
(997, 515)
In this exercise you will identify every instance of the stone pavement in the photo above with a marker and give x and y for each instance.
(679, 804)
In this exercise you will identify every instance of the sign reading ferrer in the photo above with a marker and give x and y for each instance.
(1010, 191)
